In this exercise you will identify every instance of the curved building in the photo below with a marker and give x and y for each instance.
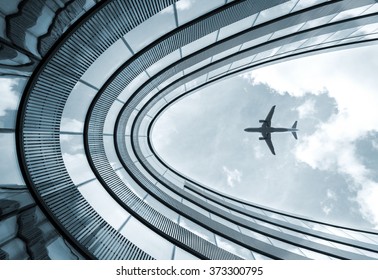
(84, 82)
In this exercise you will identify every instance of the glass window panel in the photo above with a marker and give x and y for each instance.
(320, 241)
(286, 31)
(268, 225)
(147, 175)
(162, 209)
(316, 40)
(196, 82)
(359, 236)
(130, 149)
(199, 43)
(265, 54)
(197, 229)
(143, 129)
(104, 204)
(369, 253)
(58, 250)
(346, 248)
(351, 13)
(146, 152)
(372, 9)
(236, 27)
(366, 29)
(133, 86)
(169, 192)
(130, 122)
(156, 164)
(16, 249)
(106, 64)
(338, 232)
(188, 10)
(11, 90)
(291, 47)
(157, 107)
(256, 41)
(175, 93)
(171, 79)
(194, 193)
(181, 254)
(10, 170)
(260, 257)
(373, 237)
(316, 226)
(76, 108)
(314, 255)
(151, 29)
(8, 229)
(219, 71)
(233, 202)
(318, 22)
(218, 206)
(293, 233)
(147, 240)
(196, 207)
(197, 66)
(131, 184)
(226, 53)
(302, 4)
(111, 117)
(286, 246)
(224, 222)
(275, 11)
(146, 99)
(240, 215)
(178, 181)
(255, 235)
(234, 248)
(110, 152)
(163, 63)
(241, 62)
(75, 159)
(342, 34)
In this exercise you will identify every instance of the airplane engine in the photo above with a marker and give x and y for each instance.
(261, 138)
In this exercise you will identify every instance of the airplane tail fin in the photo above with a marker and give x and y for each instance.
(293, 132)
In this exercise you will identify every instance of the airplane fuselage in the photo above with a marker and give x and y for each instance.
(265, 129)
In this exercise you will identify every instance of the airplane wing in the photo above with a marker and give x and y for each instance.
(268, 118)
(268, 141)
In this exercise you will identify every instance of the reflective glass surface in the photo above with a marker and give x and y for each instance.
(188, 10)
(11, 90)
(197, 229)
(147, 32)
(10, 170)
(76, 108)
(133, 86)
(106, 64)
(226, 53)
(302, 4)
(110, 152)
(104, 204)
(236, 27)
(276, 11)
(199, 43)
(164, 62)
(162, 209)
(75, 159)
(156, 164)
(111, 117)
(234, 248)
(147, 240)
(195, 207)
(224, 222)
(131, 184)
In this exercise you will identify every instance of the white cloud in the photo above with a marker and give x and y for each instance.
(69, 124)
(183, 5)
(332, 146)
(9, 98)
(232, 176)
(306, 109)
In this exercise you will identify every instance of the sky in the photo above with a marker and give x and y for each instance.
(329, 173)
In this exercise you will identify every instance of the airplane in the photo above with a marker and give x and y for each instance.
(266, 129)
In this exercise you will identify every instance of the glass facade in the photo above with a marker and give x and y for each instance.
(80, 95)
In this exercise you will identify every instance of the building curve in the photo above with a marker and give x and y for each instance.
(98, 74)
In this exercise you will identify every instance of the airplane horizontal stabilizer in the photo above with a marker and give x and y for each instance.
(295, 135)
